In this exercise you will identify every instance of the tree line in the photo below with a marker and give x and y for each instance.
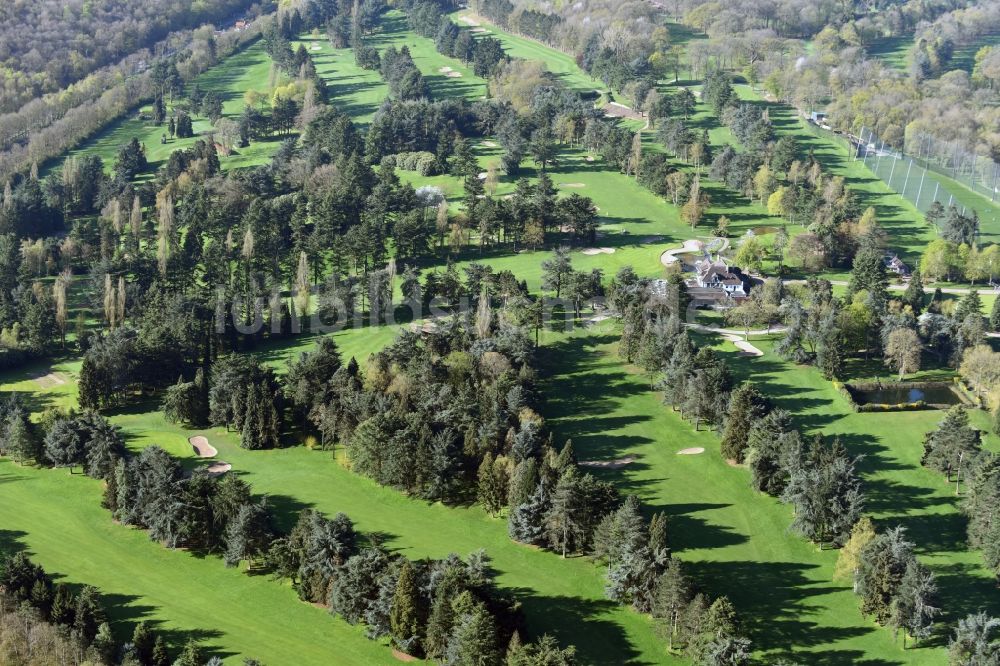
(42, 620)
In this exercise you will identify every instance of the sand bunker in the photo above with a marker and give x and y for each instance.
(479, 31)
(690, 245)
(483, 175)
(50, 380)
(616, 110)
(609, 464)
(219, 468)
(489, 144)
(597, 319)
(445, 70)
(693, 451)
(401, 656)
(599, 250)
(589, 158)
(572, 185)
(468, 20)
(202, 447)
(454, 75)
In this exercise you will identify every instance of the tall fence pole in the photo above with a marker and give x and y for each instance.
(920, 189)
(993, 187)
(936, 188)
(907, 181)
(861, 137)
(892, 169)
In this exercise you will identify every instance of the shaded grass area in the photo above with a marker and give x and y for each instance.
(59, 521)
(736, 540)
(893, 51)
(562, 597)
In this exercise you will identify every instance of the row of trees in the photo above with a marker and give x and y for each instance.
(447, 609)
(484, 54)
(817, 478)
(52, 621)
(892, 585)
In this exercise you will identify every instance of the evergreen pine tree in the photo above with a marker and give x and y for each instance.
(868, 271)
(474, 639)
(914, 294)
(404, 615)
(673, 593)
(526, 521)
(161, 657)
(523, 483)
(995, 316)
(746, 406)
(953, 445)
(190, 655)
(143, 641)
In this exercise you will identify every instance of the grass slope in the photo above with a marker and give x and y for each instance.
(245, 69)
(736, 540)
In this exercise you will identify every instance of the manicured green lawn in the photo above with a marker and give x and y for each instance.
(561, 64)
(893, 51)
(58, 519)
(734, 539)
(563, 597)
(246, 69)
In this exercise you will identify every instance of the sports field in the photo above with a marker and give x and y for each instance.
(734, 540)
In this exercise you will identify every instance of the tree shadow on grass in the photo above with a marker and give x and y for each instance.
(124, 611)
(694, 532)
(577, 621)
(775, 609)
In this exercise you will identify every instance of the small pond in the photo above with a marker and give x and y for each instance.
(932, 394)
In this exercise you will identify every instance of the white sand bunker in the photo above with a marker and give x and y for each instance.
(468, 20)
(609, 464)
(693, 451)
(599, 250)
(202, 447)
(690, 245)
(316, 47)
(489, 144)
(219, 468)
(572, 185)
(480, 31)
(454, 75)
(445, 70)
(50, 380)
(483, 175)
(589, 158)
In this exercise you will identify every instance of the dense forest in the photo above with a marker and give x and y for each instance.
(69, 40)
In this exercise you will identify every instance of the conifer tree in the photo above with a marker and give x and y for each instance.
(142, 642)
(404, 616)
(746, 406)
(161, 657)
(673, 593)
(913, 295)
(526, 521)
(954, 445)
